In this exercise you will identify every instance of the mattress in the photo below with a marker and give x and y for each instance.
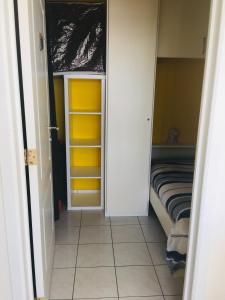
(172, 181)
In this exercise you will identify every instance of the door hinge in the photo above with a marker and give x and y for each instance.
(30, 157)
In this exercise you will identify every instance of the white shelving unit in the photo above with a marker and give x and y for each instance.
(85, 172)
(85, 130)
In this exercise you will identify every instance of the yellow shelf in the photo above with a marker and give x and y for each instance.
(85, 127)
(84, 115)
(85, 172)
(82, 112)
(85, 142)
(85, 157)
(84, 95)
(85, 184)
(86, 199)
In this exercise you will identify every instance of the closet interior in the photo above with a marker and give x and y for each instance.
(77, 46)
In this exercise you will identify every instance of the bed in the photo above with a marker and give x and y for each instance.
(170, 197)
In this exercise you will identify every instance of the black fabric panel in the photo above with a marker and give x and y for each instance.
(57, 150)
(77, 36)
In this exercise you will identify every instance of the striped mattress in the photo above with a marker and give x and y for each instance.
(172, 180)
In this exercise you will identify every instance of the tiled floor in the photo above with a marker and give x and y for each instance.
(111, 258)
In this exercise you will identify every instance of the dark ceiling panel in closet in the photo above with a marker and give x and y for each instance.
(77, 36)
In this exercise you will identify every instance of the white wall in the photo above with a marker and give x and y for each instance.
(5, 279)
(132, 37)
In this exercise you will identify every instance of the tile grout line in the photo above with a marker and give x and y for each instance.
(151, 259)
(74, 280)
(107, 266)
(110, 243)
(123, 298)
(114, 259)
(108, 225)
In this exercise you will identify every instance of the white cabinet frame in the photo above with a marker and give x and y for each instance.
(67, 132)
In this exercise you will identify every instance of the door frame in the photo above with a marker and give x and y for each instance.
(207, 235)
(13, 194)
(210, 158)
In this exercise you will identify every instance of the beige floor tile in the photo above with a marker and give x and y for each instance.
(158, 253)
(62, 284)
(72, 213)
(127, 234)
(95, 255)
(173, 298)
(149, 220)
(124, 221)
(95, 283)
(170, 284)
(131, 254)
(143, 298)
(69, 219)
(68, 235)
(95, 234)
(137, 281)
(99, 299)
(153, 233)
(90, 218)
(96, 277)
(65, 256)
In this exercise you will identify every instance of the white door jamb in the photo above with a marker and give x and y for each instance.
(207, 235)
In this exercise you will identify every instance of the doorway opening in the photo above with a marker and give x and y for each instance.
(77, 70)
(178, 89)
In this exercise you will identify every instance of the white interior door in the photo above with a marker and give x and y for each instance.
(36, 98)
(131, 69)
